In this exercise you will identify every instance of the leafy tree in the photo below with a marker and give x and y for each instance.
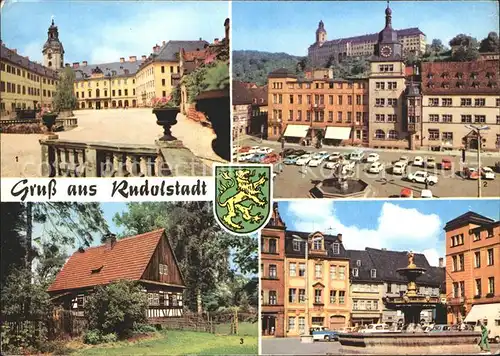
(464, 48)
(490, 43)
(65, 99)
(437, 46)
(12, 216)
(115, 308)
(50, 259)
(216, 77)
(463, 40)
(303, 64)
(412, 59)
(202, 248)
(194, 82)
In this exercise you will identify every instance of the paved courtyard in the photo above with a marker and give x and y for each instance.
(21, 154)
(293, 346)
(292, 183)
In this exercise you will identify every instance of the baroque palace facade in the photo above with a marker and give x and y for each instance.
(394, 106)
(26, 84)
(310, 280)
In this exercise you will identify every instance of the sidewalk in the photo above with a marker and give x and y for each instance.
(453, 153)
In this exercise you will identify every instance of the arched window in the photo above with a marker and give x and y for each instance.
(113, 104)
(380, 134)
(125, 103)
(97, 93)
(50, 64)
(83, 105)
(119, 103)
(393, 135)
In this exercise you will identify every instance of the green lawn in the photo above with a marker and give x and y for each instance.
(175, 342)
(244, 329)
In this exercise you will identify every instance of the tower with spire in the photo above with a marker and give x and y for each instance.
(388, 45)
(53, 50)
(321, 33)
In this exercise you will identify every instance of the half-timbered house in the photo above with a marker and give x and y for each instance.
(146, 258)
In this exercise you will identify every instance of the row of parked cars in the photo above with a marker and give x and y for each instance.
(257, 154)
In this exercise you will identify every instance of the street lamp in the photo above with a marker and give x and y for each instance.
(306, 338)
(477, 130)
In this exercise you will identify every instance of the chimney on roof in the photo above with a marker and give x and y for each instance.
(164, 43)
(216, 40)
(110, 241)
(122, 59)
(156, 49)
(84, 63)
(76, 65)
(339, 236)
(143, 57)
(132, 58)
(441, 262)
(14, 50)
(201, 39)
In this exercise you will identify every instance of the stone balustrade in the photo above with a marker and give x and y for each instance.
(65, 158)
(67, 122)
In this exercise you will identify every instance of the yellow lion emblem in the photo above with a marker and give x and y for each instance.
(245, 190)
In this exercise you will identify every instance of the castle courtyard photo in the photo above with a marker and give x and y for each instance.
(150, 102)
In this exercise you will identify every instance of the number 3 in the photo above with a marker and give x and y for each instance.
(241, 341)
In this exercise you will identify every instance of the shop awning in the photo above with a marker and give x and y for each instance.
(296, 131)
(337, 133)
(482, 311)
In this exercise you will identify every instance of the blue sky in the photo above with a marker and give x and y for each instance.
(290, 26)
(399, 225)
(100, 32)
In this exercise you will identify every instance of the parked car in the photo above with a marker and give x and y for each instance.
(430, 162)
(253, 149)
(244, 149)
(418, 161)
(406, 193)
(426, 193)
(271, 158)
(357, 156)
(376, 328)
(331, 165)
(288, 152)
(245, 156)
(446, 163)
(487, 173)
(299, 152)
(318, 158)
(265, 150)
(422, 177)
(470, 173)
(292, 159)
(399, 168)
(376, 167)
(372, 157)
(325, 334)
(303, 160)
(404, 159)
(335, 156)
(257, 158)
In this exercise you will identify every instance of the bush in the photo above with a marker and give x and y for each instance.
(111, 337)
(92, 337)
(143, 328)
(56, 347)
(22, 129)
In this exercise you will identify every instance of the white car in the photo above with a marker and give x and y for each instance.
(421, 177)
(245, 156)
(372, 157)
(430, 162)
(335, 156)
(331, 165)
(487, 173)
(404, 159)
(426, 193)
(303, 160)
(418, 161)
(357, 156)
(254, 149)
(399, 168)
(265, 150)
(376, 328)
(376, 167)
(318, 158)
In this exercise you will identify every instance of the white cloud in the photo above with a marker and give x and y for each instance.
(32, 50)
(397, 228)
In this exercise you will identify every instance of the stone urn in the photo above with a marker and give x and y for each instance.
(215, 104)
(49, 119)
(166, 117)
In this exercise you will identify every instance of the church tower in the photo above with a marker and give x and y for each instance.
(321, 33)
(53, 51)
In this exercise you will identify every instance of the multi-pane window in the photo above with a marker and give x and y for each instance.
(333, 296)
(272, 246)
(466, 118)
(349, 100)
(456, 290)
(490, 259)
(317, 244)
(336, 248)
(330, 116)
(379, 117)
(379, 102)
(433, 118)
(163, 269)
(341, 272)
(291, 99)
(446, 118)
(355, 272)
(341, 297)
(317, 270)
(299, 99)
(479, 118)
(340, 100)
(293, 269)
(465, 102)
(292, 295)
(290, 115)
(392, 102)
(478, 287)
(386, 68)
(330, 99)
(273, 299)
(461, 263)
(302, 269)
(447, 101)
(454, 260)
(317, 296)
(480, 102)
(339, 116)
(433, 135)
(462, 288)
(273, 271)
(358, 100)
(296, 245)
(291, 323)
(433, 101)
(448, 136)
(358, 117)
(302, 324)
(477, 259)
(373, 273)
(333, 272)
(392, 85)
(302, 295)
(491, 285)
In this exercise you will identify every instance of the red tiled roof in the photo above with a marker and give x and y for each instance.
(127, 259)
(457, 77)
(191, 56)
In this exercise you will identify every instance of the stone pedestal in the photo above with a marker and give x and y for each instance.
(180, 160)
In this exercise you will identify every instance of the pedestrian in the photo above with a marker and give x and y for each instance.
(484, 344)
(426, 183)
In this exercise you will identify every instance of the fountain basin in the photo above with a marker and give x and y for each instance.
(398, 343)
(329, 188)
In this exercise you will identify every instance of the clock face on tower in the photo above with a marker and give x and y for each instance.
(385, 51)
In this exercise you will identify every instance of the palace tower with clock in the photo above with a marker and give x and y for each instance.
(53, 50)
(387, 85)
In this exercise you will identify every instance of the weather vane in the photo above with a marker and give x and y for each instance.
(52, 19)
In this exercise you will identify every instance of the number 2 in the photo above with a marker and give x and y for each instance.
(485, 184)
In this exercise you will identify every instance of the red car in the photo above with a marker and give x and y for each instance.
(471, 173)
(271, 158)
(244, 149)
(446, 163)
(406, 193)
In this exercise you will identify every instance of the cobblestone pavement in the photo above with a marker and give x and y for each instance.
(21, 154)
(292, 183)
(293, 346)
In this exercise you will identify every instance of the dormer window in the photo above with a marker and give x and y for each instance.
(475, 85)
(336, 248)
(445, 75)
(96, 270)
(473, 75)
(446, 85)
(358, 263)
(430, 75)
(373, 273)
(296, 245)
(355, 272)
(460, 85)
(459, 75)
(317, 243)
(163, 269)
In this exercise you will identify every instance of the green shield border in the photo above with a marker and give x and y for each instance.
(265, 221)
